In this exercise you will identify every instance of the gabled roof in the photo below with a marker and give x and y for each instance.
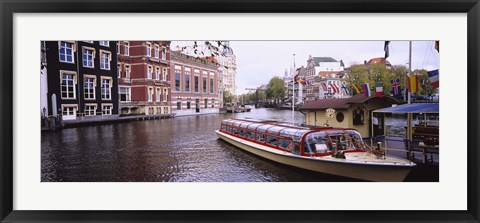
(318, 60)
(378, 60)
(343, 103)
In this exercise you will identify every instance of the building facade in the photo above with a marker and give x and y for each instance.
(194, 85)
(82, 79)
(144, 80)
(227, 71)
(324, 70)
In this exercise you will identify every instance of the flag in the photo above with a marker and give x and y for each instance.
(385, 48)
(345, 89)
(378, 89)
(356, 88)
(412, 84)
(295, 78)
(366, 90)
(334, 88)
(395, 86)
(434, 78)
(324, 86)
(437, 46)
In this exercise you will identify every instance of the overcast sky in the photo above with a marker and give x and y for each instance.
(259, 61)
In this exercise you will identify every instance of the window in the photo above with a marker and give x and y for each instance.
(105, 43)
(179, 105)
(149, 72)
(150, 94)
(196, 83)
(211, 85)
(119, 70)
(157, 73)
(66, 52)
(126, 48)
(213, 103)
(340, 117)
(105, 58)
(260, 138)
(206, 103)
(187, 81)
(157, 50)
(204, 84)
(88, 55)
(106, 89)
(164, 54)
(177, 80)
(68, 111)
(272, 140)
(157, 96)
(118, 47)
(107, 109)
(149, 50)
(165, 94)
(164, 74)
(125, 94)
(127, 71)
(188, 104)
(67, 86)
(90, 110)
(89, 87)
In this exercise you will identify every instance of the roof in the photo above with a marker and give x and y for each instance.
(327, 73)
(411, 108)
(378, 60)
(342, 103)
(318, 60)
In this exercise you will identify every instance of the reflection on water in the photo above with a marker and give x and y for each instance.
(183, 149)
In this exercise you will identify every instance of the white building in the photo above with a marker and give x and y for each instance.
(43, 81)
(227, 70)
(324, 70)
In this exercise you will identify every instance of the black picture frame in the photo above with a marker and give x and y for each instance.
(9, 7)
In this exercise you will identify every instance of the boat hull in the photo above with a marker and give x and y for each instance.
(383, 173)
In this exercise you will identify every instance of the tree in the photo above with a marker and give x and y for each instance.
(227, 97)
(276, 89)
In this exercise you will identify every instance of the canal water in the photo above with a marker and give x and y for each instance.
(182, 149)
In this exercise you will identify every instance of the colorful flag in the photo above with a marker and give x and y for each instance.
(395, 86)
(434, 78)
(378, 89)
(412, 84)
(345, 89)
(385, 48)
(437, 46)
(295, 78)
(324, 86)
(356, 88)
(366, 90)
(334, 88)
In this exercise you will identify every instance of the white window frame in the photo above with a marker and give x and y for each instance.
(164, 74)
(68, 107)
(85, 88)
(128, 70)
(149, 72)
(86, 49)
(150, 94)
(126, 48)
(105, 55)
(104, 43)
(164, 54)
(157, 51)
(72, 50)
(106, 110)
(148, 49)
(106, 92)
(128, 93)
(157, 73)
(119, 70)
(118, 47)
(74, 82)
(89, 112)
(165, 94)
(157, 95)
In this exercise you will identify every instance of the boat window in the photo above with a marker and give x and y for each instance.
(234, 131)
(250, 135)
(296, 148)
(316, 142)
(253, 126)
(223, 127)
(260, 138)
(288, 133)
(275, 130)
(242, 133)
(245, 124)
(298, 135)
(285, 143)
(272, 140)
(263, 128)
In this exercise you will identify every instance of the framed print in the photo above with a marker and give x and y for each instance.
(239, 111)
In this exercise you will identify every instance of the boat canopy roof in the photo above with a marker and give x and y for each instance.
(411, 108)
(271, 127)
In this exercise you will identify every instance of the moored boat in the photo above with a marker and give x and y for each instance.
(335, 151)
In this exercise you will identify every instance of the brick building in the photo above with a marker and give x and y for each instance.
(81, 78)
(143, 72)
(194, 85)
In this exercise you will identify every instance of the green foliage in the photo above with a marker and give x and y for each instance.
(275, 88)
(227, 97)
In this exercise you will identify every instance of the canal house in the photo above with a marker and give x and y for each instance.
(143, 72)
(194, 85)
(354, 112)
(81, 79)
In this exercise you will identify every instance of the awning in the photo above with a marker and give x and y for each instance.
(411, 108)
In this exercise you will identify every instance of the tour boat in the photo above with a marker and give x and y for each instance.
(335, 151)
